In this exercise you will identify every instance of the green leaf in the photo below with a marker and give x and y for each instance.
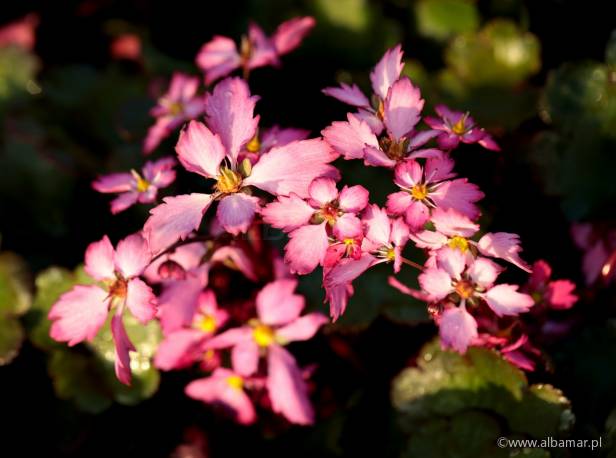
(11, 337)
(441, 19)
(353, 15)
(445, 384)
(17, 73)
(500, 54)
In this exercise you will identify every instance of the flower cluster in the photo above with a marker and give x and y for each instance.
(226, 300)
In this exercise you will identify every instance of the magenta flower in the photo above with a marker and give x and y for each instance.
(278, 323)
(224, 388)
(430, 187)
(261, 143)
(220, 56)
(134, 187)
(456, 127)
(181, 103)
(454, 230)
(556, 294)
(311, 222)
(450, 278)
(213, 153)
(79, 314)
(185, 346)
(399, 141)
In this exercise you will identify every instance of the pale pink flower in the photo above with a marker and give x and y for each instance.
(224, 388)
(599, 247)
(453, 229)
(430, 187)
(181, 103)
(221, 56)
(185, 346)
(213, 153)
(312, 221)
(79, 314)
(20, 33)
(555, 294)
(278, 323)
(456, 127)
(134, 187)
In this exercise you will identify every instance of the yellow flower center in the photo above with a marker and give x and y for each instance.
(207, 324)
(118, 288)
(459, 128)
(419, 191)
(391, 254)
(349, 242)
(142, 183)
(228, 181)
(464, 289)
(235, 381)
(459, 243)
(175, 108)
(254, 145)
(264, 335)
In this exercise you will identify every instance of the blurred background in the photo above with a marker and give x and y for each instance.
(74, 102)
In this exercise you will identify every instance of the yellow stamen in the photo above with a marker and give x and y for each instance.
(142, 183)
(459, 243)
(207, 324)
(118, 289)
(464, 289)
(459, 128)
(349, 242)
(228, 181)
(235, 381)
(264, 335)
(175, 108)
(391, 254)
(254, 145)
(419, 191)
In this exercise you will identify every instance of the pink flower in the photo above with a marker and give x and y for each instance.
(224, 388)
(383, 241)
(556, 294)
(80, 313)
(424, 189)
(213, 153)
(278, 323)
(313, 220)
(133, 187)
(456, 127)
(220, 56)
(20, 33)
(180, 104)
(454, 230)
(401, 110)
(452, 280)
(599, 247)
(261, 143)
(185, 346)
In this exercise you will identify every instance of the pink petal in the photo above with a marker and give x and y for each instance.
(415, 293)
(116, 182)
(123, 346)
(403, 106)
(348, 226)
(290, 34)
(505, 300)
(245, 357)
(235, 212)
(306, 248)
(287, 213)
(460, 195)
(78, 314)
(338, 298)
(435, 282)
(378, 225)
(322, 191)
(218, 58)
(349, 94)
(457, 329)
(179, 349)
(161, 129)
(428, 239)
(540, 276)
(178, 302)
(302, 328)
(398, 202)
(377, 158)
(348, 270)
(483, 272)
(451, 261)
(124, 201)
(353, 199)
(230, 338)
(160, 173)
(277, 136)
(286, 387)
(277, 304)
(408, 173)
(416, 215)
(177, 217)
(505, 246)
(488, 143)
(229, 112)
(263, 51)
(451, 222)
(387, 71)
(132, 255)
(140, 300)
(200, 150)
(99, 263)
(292, 167)
(350, 138)
(560, 294)
(239, 259)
